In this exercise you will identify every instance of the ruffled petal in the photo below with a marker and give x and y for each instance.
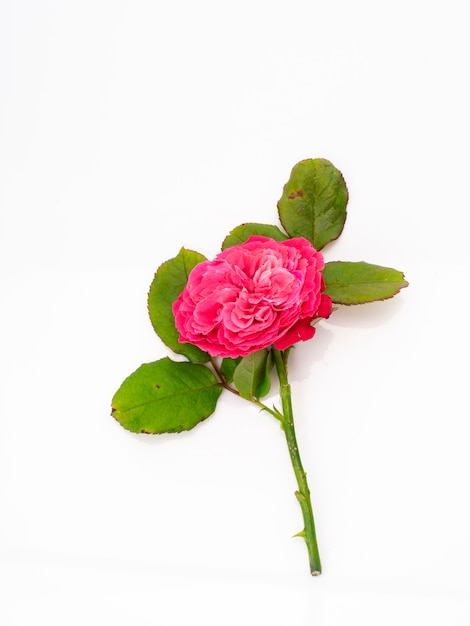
(300, 331)
(324, 309)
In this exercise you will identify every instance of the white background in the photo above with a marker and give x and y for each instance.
(131, 128)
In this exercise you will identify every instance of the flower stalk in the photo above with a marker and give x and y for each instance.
(303, 493)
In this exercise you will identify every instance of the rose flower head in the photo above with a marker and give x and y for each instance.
(251, 296)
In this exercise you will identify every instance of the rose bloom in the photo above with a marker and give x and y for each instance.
(251, 296)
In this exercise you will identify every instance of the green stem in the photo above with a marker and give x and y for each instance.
(303, 493)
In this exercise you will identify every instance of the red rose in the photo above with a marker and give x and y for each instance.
(251, 296)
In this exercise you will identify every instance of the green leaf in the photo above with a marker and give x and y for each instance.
(166, 397)
(358, 283)
(169, 281)
(313, 202)
(241, 233)
(250, 374)
(228, 367)
(265, 385)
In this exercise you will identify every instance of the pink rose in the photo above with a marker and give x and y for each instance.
(251, 296)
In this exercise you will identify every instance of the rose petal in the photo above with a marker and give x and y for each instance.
(324, 310)
(301, 331)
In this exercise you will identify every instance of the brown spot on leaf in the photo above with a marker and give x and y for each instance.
(295, 194)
